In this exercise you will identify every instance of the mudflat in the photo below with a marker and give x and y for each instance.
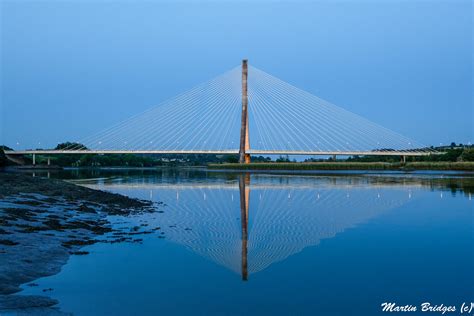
(45, 221)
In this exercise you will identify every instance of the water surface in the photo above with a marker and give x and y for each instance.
(236, 244)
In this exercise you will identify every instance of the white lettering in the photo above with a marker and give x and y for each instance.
(427, 307)
(392, 307)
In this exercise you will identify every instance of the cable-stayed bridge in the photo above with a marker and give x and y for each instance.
(245, 111)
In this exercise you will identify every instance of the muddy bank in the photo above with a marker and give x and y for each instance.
(15, 183)
(45, 221)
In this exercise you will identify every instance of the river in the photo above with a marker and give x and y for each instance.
(337, 243)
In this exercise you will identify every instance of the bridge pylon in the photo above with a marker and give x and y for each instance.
(244, 127)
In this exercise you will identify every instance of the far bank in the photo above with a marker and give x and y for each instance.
(409, 166)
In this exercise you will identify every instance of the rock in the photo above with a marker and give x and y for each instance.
(79, 253)
(7, 242)
(24, 301)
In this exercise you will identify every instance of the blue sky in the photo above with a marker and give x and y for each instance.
(72, 68)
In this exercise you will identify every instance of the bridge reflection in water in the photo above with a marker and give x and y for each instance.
(246, 227)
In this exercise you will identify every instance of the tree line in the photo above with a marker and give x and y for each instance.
(452, 153)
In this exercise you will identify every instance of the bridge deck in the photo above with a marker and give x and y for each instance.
(224, 152)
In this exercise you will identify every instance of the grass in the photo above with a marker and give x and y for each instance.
(440, 165)
(461, 166)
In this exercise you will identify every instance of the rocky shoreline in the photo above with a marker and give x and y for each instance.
(45, 221)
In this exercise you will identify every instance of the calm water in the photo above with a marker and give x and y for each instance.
(236, 244)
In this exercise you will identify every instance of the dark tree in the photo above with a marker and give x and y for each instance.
(70, 146)
(468, 154)
(3, 158)
(283, 159)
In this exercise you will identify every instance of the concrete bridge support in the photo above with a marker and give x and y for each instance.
(244, 127)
